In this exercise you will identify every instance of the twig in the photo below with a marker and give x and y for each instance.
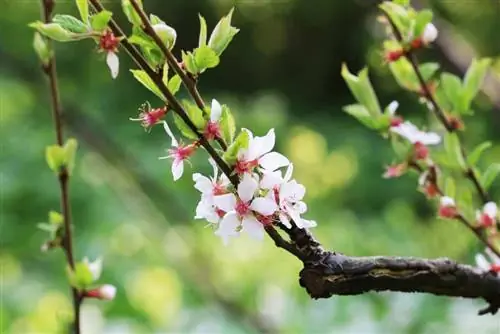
(63, 177)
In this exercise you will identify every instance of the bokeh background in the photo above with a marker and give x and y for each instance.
(173, 275)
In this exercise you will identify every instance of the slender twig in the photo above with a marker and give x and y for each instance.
(188, 82)
(63, 177)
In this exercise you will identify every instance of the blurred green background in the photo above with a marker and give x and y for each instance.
(173, 275)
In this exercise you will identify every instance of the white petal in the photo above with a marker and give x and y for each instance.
(214, 167)
(391, 108)
(288, 174)
(494, 258)
(308, 223)
(226, 202)
(267, 142)
(301, 207)
(202, 183)
(170, 134)
(227, 227)
(113, 64)
(273, 161)
(482, 263)
(271, 179)
(407, 130)
(429, 138)
(215, 111)
(292, 191)
(447, 201)
(247, 188)
(264, 206)
(430, 33)
(253, 227)
(177, 169)
(490, 209)
(284, 219)
(94, 267)
(107, 292)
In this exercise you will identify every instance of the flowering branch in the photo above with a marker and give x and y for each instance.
(49, 68)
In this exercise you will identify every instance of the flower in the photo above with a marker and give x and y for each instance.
(109, 43)
(242, 210)
(95, 267)
(391, 111)
(105, 292)
(493, 265)
(288, 194)
(178, 153)
(447, 208)
(258, 153)
(487, 217)
(394, 171)
(212, 129)
(150, 116)
(427, 181)
(430, 33)
(419, 139)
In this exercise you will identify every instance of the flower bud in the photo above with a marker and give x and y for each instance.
(167, 34)
(447, 208)
(430, 33)
(105, 292)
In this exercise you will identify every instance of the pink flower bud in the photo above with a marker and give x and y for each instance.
(447, 208)
(430, 33)
(394, 171)
(105, 292)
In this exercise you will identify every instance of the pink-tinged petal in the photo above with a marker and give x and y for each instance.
(288, 174)
(253, 227)
(247, 188)
(226, 202)
(170, 134)
(294, 214)
(429, 138)
(271, 179)
(113, 64)
(273, 160)
(284, 219)
(264, 206)
(482, 263)
(447, 201)
(490, 209)
(177, 169)
(202, 183)
(215, 111)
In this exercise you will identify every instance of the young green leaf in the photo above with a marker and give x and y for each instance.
(490, 175)
(477, 152)
(70, 23)
(174, 84)
(130, 12)
(53, 31)
(453, 89)
(475, 76)
(362, 90)
(55, 157)
(359, 112)
(202, 39)
(81, 277)
(147, 82)
(227, 124)
(100, 21)
(423, 18)
(189, 62)
(222, 34)
(184, 129)
(42, 48)
(240, 142)
(195, 114)
(453, 149)
(83, 9)
(70, 154)
(450, 188)
(205, 57)
(55, 218)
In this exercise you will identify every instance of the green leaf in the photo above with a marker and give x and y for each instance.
(42, 48)
(195, 114)
(240, 142)
(453, 149)
(100, 21)
(453, 90)
(362, 90)
(202, 39)
(189, 62)
(70, 23)
(222, 34)
(147, 82)
(227, 125)
(359, 112)
(450, 188)
(55, 218)
(155, 19)
(400, 147)
(70, 154)
(47, 227)
(477, 152)
(81, 276)
(83, 9)
(399, 15)
(54, 155)
(174, 84)
(130, 12)
(184, 129)
(167, 34)
(427, 70)
(53, 31)
(204, 58)
(490, 175)
(423, 18)
(474, 77)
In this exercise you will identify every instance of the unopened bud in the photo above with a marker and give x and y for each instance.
(430, 33)
(167, 34)
(105, 292)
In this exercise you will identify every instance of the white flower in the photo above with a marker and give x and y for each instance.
(113, 63)
(178, 153)
(392, 107)
(487, 217)
(241, 210)
(258, 153)
(493, 264)
(212, 129)
(430, 33)
(94, 267)
(289, 194)
(414, 135)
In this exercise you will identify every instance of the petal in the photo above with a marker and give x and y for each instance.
(391, 108)
(407, 130)
(267, 142)
(247, 188)
(288, 174)
(301, 207)
(177, 169)
(273, 160)
(429, 138)
(170, 134)
(113, 64)
(227, 227)
(264, 206)
(491, 209)
(447, 201)
(226, 202)
(284, 219)
(292, 191)
(202, 183)
(253, 227)
(215, 111)
(271, 179)
(482, 263)
(308, 223)
(214, 167)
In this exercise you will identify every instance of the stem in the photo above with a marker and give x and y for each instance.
(188, 82)
(63, 177)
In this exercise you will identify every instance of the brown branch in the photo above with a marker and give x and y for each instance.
(63, 176)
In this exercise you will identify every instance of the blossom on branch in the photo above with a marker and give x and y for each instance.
(150, 116)
(487, 217)
(109, 43)
(492, 265)
(105, 292)
(419, 139)
(178, 153)
(447, 208)
(212, 129)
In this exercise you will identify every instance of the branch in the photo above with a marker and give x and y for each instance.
(63, 177)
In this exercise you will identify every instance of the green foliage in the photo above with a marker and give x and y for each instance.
(130, 13)
(53, 226)
(453, 150)
(53, 31)
(70, 23)
(83, 9)
(189, 62)
(490, 175)
(184, 129)
(205, 57)
(42, 48)
(454, 93)
(81, 276)
(240, 142)
(422, 19)
(58, 157)
(474, 77)
(227, 124)
(147, 82)
(174, 84)
(474, 156)
(202, 39)
(195, 114)
(362, 90)
(70, 154)
(222, 34)
(100, 21)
